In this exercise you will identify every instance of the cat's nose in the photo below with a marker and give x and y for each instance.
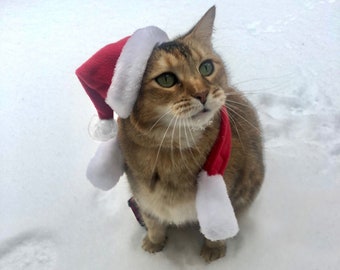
(202, 97)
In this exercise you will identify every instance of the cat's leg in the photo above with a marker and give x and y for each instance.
(213, 250)
(155, 239)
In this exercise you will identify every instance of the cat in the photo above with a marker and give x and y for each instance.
(172, 128)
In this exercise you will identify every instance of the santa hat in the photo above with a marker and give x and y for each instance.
(112, 79)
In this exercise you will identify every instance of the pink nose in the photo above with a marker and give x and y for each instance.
(202, 97)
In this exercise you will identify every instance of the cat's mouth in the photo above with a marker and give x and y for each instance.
(203, 113)
(201, 119)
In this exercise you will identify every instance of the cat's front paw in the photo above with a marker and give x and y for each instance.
(212, 251)
(152, 247)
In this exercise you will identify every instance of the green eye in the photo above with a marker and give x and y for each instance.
(206, 68)
(167, 80)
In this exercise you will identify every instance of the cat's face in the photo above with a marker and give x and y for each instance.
(184, 81)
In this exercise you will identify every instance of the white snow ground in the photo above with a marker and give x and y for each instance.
(283, 54)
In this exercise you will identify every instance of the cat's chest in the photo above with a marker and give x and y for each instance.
(176, 209)
(163, 176)
(171, 192)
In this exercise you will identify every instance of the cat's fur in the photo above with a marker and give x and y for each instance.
(170, 132)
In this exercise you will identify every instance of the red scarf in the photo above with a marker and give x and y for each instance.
(218, 158)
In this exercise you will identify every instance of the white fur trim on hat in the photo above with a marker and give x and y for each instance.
(107, 165)
(214, 210)
(102, 129)
(130, 68)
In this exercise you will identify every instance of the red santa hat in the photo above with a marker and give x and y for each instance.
(112, 79)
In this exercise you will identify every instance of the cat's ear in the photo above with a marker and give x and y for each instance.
(203, 30)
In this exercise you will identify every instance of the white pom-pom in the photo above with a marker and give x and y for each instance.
(107, 165)
(214, 210)
(101, 129)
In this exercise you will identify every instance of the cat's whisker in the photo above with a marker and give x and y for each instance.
(189, 146)
(238, 103)
(247, 106)
(159, 119)
(234, 124)
(179, 136)
(192, 136)
(246, 93)
(289, 75)
(172, 140)
(232, 113)
(186, 134)
(180, 147)
(185, 124)
(233, 109)
(259, 91)
(263, 90)
(160, 145)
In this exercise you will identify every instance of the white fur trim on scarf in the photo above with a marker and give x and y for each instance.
(107, 165)
(130, 69)
(214, 210)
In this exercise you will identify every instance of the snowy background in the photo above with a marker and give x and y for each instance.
(283, 54)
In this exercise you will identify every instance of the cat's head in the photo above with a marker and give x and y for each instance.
(184, 81)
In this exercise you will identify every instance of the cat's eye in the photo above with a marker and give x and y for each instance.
(206, 68)
(167, 79)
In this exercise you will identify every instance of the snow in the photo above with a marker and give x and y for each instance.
(283, 54)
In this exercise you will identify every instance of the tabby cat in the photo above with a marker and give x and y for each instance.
(173, 126)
